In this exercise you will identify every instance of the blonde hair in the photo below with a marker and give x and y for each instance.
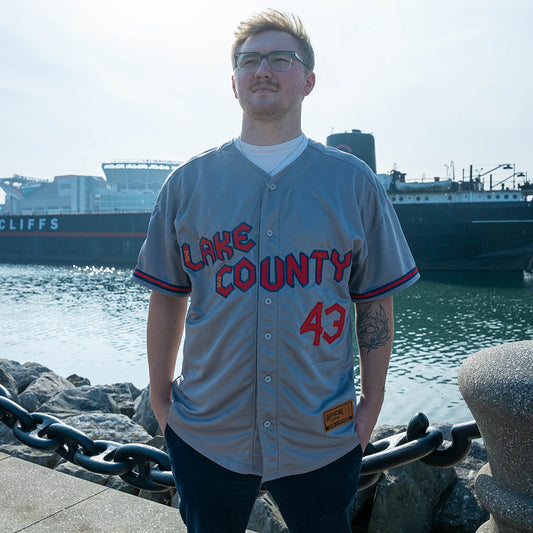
(274, 20)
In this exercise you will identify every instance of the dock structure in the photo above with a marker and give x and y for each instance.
(36, 499)
(497, 385)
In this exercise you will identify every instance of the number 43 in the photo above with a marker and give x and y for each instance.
(313, 323)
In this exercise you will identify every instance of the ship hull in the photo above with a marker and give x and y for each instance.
(453, 237)
(103, 238)
(469, 236)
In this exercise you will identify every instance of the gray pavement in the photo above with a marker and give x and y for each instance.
(36, 499)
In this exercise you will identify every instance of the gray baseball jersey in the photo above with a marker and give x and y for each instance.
(271, 264)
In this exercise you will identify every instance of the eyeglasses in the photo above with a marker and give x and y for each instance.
(278, 60)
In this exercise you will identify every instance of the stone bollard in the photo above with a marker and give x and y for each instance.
(497, 385)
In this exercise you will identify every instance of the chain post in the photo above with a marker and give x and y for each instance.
(133, 462)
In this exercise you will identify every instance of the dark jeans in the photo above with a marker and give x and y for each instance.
(216, 500)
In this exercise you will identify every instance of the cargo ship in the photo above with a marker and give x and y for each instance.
(465, 225)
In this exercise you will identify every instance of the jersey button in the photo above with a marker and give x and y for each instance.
(272, 186)
(267, 423)
(268, 379)
(268, 336)
(269, 233)
(268, 301)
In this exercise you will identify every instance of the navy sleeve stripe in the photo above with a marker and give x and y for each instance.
(162, 284)
(385, 288)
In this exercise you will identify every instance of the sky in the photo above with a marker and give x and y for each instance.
(83, 83)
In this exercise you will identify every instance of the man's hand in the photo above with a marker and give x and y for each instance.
(366, 416)
(160, 409)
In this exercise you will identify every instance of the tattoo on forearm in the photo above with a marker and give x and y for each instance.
(372, 329)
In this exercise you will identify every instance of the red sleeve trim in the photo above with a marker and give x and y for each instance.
(386, 288)
(159, 283)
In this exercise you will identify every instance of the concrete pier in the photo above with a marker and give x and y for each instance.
(497, 385)
(36, 499)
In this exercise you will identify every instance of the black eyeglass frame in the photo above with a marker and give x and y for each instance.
(292, 53)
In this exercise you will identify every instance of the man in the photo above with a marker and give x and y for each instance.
(271, 235)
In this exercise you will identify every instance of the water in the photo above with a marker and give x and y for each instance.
(91, 321)
(84, 320)
(439, 322)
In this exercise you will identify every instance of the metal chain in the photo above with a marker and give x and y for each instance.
(148, 468)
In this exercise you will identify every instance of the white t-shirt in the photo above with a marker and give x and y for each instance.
(273, 159)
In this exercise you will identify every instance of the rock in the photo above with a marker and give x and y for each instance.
(164, 498)
(175, 501)
(362, 497)
(266, 517)
(6, 435)
(115, 482)
(7, 380)
(385, 430)
(124, 395)
(158, 442)
(144, 414)
(79, 399)
(8, 365)
(109, 426)
(78, 381)
(135, 392)
(406, 496)
(17, 449)
(458, 510)
(23, 374)
(42, 389)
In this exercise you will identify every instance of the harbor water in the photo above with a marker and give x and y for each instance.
(91, 322)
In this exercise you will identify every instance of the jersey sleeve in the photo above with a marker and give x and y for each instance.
(384, 266)
(160, 266)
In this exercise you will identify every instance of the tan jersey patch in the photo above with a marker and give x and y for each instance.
(340, 414)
